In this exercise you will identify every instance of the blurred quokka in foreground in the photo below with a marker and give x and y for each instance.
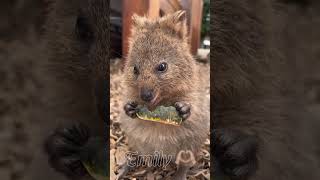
(160, 70)
(77, 50)
(262, 126)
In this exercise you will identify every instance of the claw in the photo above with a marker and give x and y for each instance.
(184, 109)
(130, 108)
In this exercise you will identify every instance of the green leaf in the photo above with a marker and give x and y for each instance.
(95, 172)
(162, 114)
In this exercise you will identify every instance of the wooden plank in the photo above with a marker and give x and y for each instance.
(154, 8)
(170, 6)
(195, 25)
(140, 7)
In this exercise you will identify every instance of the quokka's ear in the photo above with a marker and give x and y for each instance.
(138, 21)
(176, 22)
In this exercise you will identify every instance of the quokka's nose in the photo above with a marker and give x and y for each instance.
(147, 94)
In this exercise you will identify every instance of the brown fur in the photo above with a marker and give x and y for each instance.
(60, 80)
(256, 89)
(153, 42)
(19, 18)
(77, 71)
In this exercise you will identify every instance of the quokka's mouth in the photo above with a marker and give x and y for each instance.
(155, 102)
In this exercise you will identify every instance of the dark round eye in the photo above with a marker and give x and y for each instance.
(135, 70)
(83, 29)
(162, 67)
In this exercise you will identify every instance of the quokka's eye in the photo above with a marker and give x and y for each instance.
(162, 67)
(135, 70)
(83, 29)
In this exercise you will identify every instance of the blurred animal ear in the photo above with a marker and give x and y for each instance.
(179, 16)
(177, 22)
(139, 21)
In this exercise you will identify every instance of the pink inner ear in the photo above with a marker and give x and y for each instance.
(180, 16)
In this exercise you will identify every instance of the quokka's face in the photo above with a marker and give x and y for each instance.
(158, 66)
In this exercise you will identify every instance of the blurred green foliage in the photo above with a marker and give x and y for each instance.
(205, 27)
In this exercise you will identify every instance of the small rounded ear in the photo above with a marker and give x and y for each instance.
(176, 22)
(137, 20)
(180, 16)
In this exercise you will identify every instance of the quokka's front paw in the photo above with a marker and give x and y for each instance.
(184, 109)
(63, 148)
(131, 108)
(236, 153)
